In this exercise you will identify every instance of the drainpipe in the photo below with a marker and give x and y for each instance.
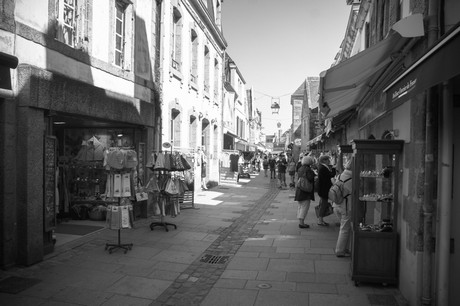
(429, 168)
(445, 196)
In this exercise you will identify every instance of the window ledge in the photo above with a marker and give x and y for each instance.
(175, 73)
(193, 85)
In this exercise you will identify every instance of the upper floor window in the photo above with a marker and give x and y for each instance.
(176, 39)
(71, 22)
(216, 79)
(120, 18)
(218, 15)
(207, 59)
(194, 59)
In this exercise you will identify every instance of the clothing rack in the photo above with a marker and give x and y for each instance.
(162, 222)
(111, 247)
(119, 192)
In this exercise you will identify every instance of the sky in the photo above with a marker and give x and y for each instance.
(277, 44)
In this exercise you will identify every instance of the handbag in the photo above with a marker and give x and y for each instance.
(329, 211)
(171, 187)
(304, 184)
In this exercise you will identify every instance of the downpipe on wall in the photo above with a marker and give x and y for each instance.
(426, 298)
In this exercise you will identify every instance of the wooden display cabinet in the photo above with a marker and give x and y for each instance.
(376, 171)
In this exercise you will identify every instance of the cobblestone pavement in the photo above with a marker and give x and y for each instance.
(192, 286)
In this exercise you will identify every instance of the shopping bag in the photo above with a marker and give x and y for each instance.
(171, 187)
(141, 196)
(329, 210)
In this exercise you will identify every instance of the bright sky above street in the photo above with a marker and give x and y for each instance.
(276, 44)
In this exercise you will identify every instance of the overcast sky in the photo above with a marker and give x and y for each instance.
(278, 43)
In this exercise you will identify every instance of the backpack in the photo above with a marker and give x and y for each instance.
(291, 167)
(265, 162)
(304, 184)
(337, 191)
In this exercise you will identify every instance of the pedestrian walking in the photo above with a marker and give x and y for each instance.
(304, 198)
(325, 174)
(282, 165)
(202, 160)
(342, 211)
(291, 169)
(272, 165)
(265, 165)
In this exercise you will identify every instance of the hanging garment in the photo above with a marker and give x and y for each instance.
(171, 187)
(115, 217)
(234, 162)
(130, 159)
(125, 217)
(151, 161)
(117, 191)
(160, 162)
(152, 185)
(126, 184)
(115, 158)
(167, 164)
(185, 163)
(178, 162)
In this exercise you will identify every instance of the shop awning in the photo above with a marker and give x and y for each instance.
(7, 62)
(440, 63)
(230, 133)
(344, 86)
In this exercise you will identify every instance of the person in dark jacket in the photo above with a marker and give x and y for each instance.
(325, 174)
(282, 165)
(302, 197)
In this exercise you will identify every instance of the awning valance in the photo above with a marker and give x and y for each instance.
(344, 86)
(440, 63)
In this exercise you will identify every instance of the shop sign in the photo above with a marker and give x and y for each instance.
(404, 89)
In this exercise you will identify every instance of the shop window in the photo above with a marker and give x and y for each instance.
(82, 174)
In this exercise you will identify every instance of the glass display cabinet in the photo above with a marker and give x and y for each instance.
(376, 172)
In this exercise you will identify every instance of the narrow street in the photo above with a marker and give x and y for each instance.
(240, 246)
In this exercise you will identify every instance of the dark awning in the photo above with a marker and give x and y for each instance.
(7, 62)
(440, 63)
(344, 86)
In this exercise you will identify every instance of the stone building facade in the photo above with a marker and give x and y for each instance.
(402, 76)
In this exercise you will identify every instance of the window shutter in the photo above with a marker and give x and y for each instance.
(178, 42)
(192, 132)
(129, 36)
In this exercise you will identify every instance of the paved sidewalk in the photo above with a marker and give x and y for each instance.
(242, 246)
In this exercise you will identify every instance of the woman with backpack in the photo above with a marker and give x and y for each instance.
(342, 211)
(304, 198)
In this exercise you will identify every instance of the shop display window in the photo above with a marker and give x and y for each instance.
(83, 174)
